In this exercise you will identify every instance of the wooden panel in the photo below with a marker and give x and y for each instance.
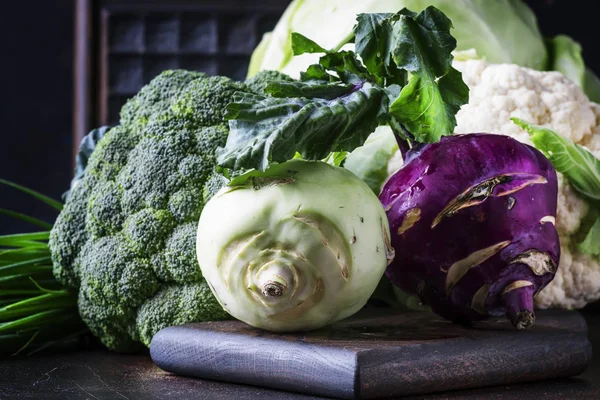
(378, 354)
(122, 45)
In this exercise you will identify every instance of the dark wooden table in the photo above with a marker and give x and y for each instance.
(98, 374)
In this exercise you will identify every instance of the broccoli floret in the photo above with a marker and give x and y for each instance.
(215, 183)
(171, 306)
(258, 82)
(126, 238)
(155, 97)
(203, 101)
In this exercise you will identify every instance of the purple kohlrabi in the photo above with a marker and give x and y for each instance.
(472, 223)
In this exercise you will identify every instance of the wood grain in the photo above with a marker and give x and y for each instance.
(378, 354)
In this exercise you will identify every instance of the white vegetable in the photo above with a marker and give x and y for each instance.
(501, 91)
(500, 30)
(295, 251)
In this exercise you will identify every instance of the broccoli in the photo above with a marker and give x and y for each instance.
(126, 238)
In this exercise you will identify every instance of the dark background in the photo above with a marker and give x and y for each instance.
(36, 73)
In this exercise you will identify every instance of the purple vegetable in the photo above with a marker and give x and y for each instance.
(472, 223)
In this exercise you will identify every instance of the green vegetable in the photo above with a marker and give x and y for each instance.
(580, 167)
(125, 240)
(590, 244)
(35, 311)
(591, 85)
(422, 45)
(565, 56)
(370, 162)
(297, 248)
(339, 102)
(501, 31)
(576, 163)
(305, 119)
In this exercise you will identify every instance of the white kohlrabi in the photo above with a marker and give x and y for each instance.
(297, 250)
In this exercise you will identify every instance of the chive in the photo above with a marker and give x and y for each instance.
(36, 311)
(26, 218)
(26, 266)
(44, 199)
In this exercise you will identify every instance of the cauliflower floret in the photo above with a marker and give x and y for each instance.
(501, 91)
(571, 208)
(592, 142)
(576, 282)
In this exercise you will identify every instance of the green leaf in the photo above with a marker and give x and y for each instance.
(374, 40)
(370, 161)
(347, 66)
(339, 102)
(26, 218)
(45, 199)
(336, 158)
(576, 163)
(266, 129)
(592, 86)
(428, 110)
(309, 89)
(276, 173)
(435, 92)
(565, 57)
(301, 44)
(317, 72)
(591, 243)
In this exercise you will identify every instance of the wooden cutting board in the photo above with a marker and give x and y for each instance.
(378, 353)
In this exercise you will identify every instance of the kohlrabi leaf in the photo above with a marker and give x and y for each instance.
(340, 101)
(347, 66)
(301, 44)
(317, 72)
(336, 158)
(268, 129)
(422, 45)
(372, 42)
(576, 163)
(309, 89)
(591, 244)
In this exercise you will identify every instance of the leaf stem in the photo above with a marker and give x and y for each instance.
(405, 139)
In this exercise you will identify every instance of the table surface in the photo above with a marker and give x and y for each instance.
(98, 374)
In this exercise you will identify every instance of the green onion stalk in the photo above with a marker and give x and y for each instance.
(36, 312)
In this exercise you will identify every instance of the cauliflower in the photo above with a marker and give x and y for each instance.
(501, 91)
